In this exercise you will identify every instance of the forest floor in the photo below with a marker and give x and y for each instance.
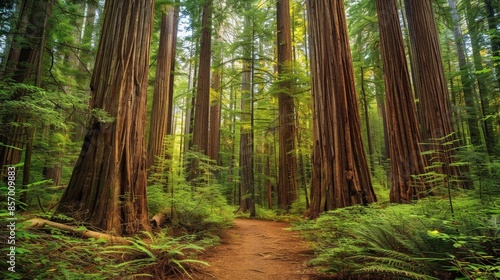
(256, 249)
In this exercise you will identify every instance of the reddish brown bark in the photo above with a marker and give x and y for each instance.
(430, 82)
(287, 183)
(161, 112)
(108, 185)
(401, 118)
(202, 104)
(341, 176)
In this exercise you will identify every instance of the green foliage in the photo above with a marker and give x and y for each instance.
(39, 107)
(412, 241)
(55, 255)
(157, 256)
(198, 205)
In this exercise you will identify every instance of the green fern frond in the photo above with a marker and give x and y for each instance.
(389, 270)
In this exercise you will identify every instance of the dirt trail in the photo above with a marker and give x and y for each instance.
(254, 249)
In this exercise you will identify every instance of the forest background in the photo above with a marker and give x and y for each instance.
(232, 107)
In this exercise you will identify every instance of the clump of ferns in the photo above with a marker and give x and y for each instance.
(157, 256)
(388, 250)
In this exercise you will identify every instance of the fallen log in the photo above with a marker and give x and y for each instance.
(41, 223)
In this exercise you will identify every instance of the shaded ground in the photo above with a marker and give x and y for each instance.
(254, 249)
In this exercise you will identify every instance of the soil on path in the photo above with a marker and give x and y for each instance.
(254, 249)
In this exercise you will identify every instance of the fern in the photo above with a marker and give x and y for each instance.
(157, 254)
(391, 270)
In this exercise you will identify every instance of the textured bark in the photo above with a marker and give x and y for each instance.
(287, 183)
(202, 105)
(215, 117)
(108, 184)
(161, 112)
(402, 124)
(246, 190)
(246, 143)
(436, 122)
(341, 176)
(215, 102)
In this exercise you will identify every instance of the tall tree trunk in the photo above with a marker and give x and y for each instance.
(215, 102)
(341, 176)
(287, 183)
(202, 105)
(191, 98)
(202, 102)
(437, 126)
(161, 112)
(246, 143)
(364, 101)
(402, 124)
(247, 191)
(108, 184)
(482, 81)
(467, 84)
(215, 117)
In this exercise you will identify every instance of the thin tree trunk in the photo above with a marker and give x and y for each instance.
(161, 112)
(467, 85)
(246, 152)
(202, 102)
(247, 191)
(202, 105)
(287, 183)
(367, 122)
(215, 102)
(482, 82)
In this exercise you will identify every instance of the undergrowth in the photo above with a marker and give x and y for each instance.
(197, 213)
(52, 254)
(411, 241)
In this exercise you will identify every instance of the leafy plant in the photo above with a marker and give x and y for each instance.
(199, 205)
(158, 256)
(413, 241)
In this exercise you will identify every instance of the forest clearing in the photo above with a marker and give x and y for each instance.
(257, 139)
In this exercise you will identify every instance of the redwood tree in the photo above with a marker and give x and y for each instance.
(202, 102)
(247, 191)
(341, 176)
(215, 99)
(402, 124)
(108, 184)
(287, 183)
(202, 105)
(430, 82)
(161, 112)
